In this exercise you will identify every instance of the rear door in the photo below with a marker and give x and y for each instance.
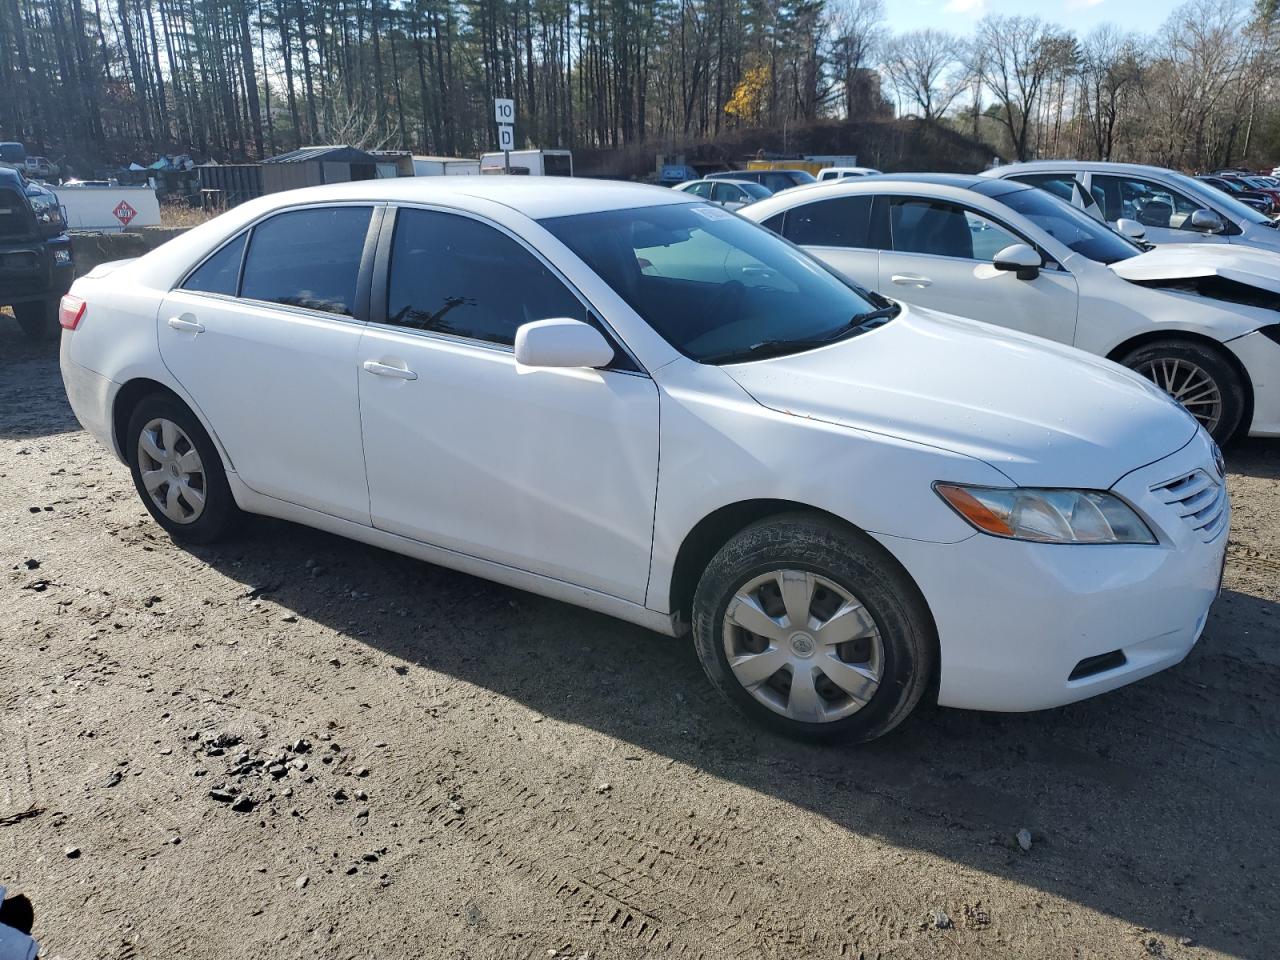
(263, 337)
(838, 231)
(940, 257)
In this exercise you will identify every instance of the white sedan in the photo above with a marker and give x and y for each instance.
(627, 399)
(1199, 321)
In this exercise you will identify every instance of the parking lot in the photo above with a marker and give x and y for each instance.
(299, 746)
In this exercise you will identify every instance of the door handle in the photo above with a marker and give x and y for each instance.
(388, 370)
(184, 325)
(910, 280)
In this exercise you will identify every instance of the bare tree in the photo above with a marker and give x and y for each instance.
(925, 69)
(1111, 66)
(1019, 55)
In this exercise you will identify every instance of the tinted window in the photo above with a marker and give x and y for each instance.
(777, 181)
(944, 230)
(455, 275)
(727, 193)
(716, 287)
(557, 165)
(700, 189)
(221, 272)
(1061, 185)
(842, 222)
(775, 223)
(307, 258)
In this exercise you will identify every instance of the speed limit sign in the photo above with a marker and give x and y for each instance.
(506, 137)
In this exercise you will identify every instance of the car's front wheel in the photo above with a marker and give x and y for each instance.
(37, 318)
(1198, 377)
(177, 471)
(810, 627)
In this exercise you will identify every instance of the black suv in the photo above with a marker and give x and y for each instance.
(775, 180)
(36, 268)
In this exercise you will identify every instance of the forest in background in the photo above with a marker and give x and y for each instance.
(106, 81)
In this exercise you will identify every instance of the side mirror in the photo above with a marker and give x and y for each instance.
(1131, 228)
(1020, 259)
(1206, 221)
(561, 342)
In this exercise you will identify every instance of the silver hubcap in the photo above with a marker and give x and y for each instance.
(803, 646)
(172, 473)
(1189, 385)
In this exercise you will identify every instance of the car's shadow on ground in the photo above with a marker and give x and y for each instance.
(1255, 457)
(1156, 803)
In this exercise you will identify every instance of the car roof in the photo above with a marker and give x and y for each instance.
(8, 173)
(1082, 166)
(944, 186)
(535, 197)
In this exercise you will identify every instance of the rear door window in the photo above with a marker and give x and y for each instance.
(839, 222)
(308, 258)
(942, 229)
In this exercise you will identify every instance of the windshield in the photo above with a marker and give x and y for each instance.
(1082, 233)
(715, 286)
(757, 190)
(1220, 201)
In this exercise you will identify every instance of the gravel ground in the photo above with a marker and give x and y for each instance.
(297, 746)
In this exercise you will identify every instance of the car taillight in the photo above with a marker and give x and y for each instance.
(70, 311)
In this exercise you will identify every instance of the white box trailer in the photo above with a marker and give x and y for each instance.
(445, 167)
(533, 163)
(108, 209)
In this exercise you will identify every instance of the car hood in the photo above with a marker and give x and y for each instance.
(1041, 413)
(1190, 261)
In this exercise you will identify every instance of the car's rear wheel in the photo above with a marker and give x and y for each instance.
(177, 471)
(810, 627)
(37, 318)
(1198, 377)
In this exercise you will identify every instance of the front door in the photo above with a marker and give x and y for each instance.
(551, 471)
(268, 353)
(940, 257)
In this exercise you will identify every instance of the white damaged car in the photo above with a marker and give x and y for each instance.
(1201, 321)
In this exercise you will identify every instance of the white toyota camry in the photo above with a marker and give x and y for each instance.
(1200, 321)
(628, 399)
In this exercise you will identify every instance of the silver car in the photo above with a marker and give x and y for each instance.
(1171, 207)
(730, 194)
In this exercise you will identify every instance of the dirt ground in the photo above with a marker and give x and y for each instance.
(294, 746)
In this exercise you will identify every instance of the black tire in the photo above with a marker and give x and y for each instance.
(851, 561)
(38, 319)
(219, 515)
(1214, 365)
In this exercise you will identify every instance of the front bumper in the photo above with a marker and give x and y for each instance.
(1016, 619)
(1260, 356)
(36, 270)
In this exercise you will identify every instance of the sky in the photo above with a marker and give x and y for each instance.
(959, 16)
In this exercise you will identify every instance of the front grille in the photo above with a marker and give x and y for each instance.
(1199, 499)
(14, 220)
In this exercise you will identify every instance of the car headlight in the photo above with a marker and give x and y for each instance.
(1047, 515)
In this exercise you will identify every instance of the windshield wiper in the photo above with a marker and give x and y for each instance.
(858, 323)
